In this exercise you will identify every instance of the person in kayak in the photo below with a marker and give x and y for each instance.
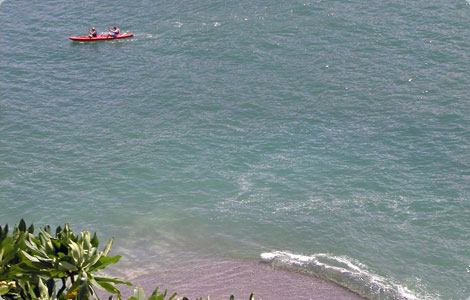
(93, 33)
(114, 32)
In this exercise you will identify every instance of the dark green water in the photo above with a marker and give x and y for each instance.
(329, 136)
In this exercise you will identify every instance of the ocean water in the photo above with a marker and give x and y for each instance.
(330, 138)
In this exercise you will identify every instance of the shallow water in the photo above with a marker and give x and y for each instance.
(220, 279)
(301, 129)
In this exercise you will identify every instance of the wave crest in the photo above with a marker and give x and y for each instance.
(344, 271)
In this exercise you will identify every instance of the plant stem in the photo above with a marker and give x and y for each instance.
(62, 288)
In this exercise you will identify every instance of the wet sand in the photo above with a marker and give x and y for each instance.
(220, 279)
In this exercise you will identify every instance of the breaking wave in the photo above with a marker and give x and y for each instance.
(343, 271)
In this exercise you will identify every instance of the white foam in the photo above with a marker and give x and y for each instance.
(344, 271)
(268, 256)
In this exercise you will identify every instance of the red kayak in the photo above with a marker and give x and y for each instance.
(100, 37)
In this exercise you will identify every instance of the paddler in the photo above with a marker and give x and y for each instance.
(93, 32)
(114, 32)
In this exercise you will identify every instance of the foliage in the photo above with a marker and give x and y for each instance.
(10, 257)
(33, 266)
(59, 266)
(139, 294)
(231, 298)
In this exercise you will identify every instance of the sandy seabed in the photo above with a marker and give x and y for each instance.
(220, 279)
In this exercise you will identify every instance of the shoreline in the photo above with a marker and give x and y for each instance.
(221, 278)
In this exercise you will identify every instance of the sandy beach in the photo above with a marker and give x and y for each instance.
(220, 279)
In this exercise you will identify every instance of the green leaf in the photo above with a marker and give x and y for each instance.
(32, 245)
(56, 243)
(109, 288)
(4, 289)
(139, 293)
(104, 262)
(30, 290)
(45, 233)
(173, 296)
(155, 291)
(108, 246)
(95, 257)
(30, 257)
(31, 229)
(22, 225)
(47, 229)
(75, 252)
(157, 296)
(86, 240)
(113, 280)
(58, 229)
(94, 240)
(43, 291)
(84, 291)
(66, 266)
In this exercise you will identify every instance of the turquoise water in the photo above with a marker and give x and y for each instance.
(328, 136)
